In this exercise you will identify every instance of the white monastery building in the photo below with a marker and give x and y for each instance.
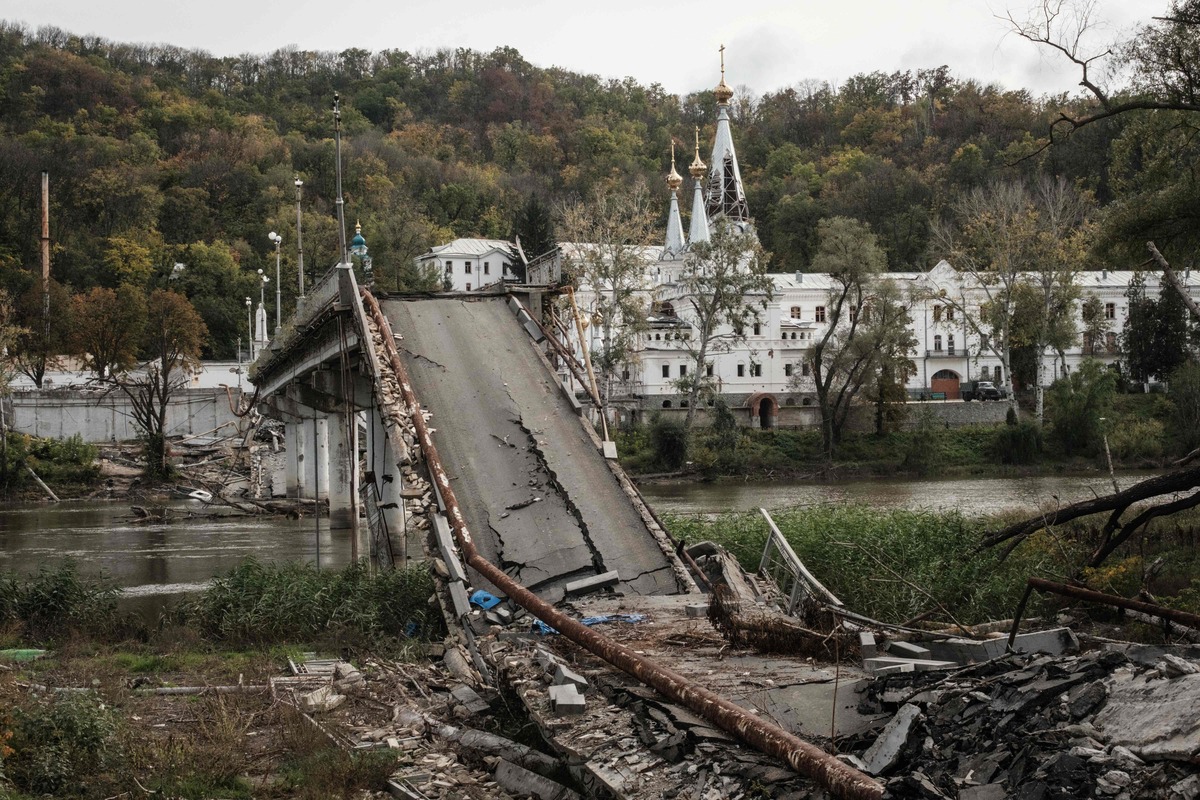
(766, 373)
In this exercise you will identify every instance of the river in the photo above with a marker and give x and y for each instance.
(968, 495)
(151, 560)
(154, 561)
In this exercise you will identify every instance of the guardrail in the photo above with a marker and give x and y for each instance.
(781, 564)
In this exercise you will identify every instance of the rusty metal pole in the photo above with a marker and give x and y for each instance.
(1090, 596)
(46, 254)
(841, 779)
(587, 361)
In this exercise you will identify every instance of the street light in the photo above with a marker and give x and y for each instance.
(262, 289)
(278, 240)
(299, 238)
(250, 324)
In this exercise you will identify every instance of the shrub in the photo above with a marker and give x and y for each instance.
(1136, 439)
(62, 745)
(1079, 401)
(59, 601)
(1185, 406)
(923, 450)
(274, 603)
(1020, 443)
(668, 440)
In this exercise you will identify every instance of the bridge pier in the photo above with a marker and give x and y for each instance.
(342, 471)
(383, 463)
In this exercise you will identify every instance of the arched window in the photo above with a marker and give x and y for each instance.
(666, 403)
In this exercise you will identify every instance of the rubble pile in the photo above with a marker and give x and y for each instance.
(1103, 724)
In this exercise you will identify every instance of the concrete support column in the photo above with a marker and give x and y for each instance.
(291, 459)
(343, 462)
(320, 451)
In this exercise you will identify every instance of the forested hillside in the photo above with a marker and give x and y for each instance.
(159, 156)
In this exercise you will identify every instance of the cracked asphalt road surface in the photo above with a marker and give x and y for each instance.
(539, 498)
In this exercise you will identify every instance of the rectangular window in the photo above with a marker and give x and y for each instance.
(949, 313)
(820, 314)
(804, 369)
(487, 268)
(468, 267)
(682, 370)
(787, 370)
(950, 344)
(984, 342)
(468, 287)
(708, 369)
(853, 315)
(449, 267)
(937, 313)
(1110, 310)
(756, 370)
(757, 329)
(666, 370)
(937, 344)
(795, 312)
(741, 370)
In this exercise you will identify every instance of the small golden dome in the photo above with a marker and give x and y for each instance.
(674, 179)
(697, 167)
(723, 92)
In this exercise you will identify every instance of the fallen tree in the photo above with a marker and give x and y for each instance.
(1114, 533)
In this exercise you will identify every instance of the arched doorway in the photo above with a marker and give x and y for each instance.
(946, 381)
(764, 410)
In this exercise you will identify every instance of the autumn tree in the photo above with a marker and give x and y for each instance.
(170, 347)
(534, 226)
(108, 328)
(866, 326)
(724, 286)
(45, 330)
(608, 234)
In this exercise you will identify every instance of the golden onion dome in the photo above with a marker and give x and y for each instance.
(674, 179)
(723, 92)
(697, 167)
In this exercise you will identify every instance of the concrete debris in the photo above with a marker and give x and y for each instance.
(566, 699)
(469, 699)
(523, 783)
(321, 700)
(592, 583)
(564, 675)
(883, 754)
(1093, 725)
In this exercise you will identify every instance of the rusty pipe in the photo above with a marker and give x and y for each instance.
(841, 779)
(1079, 593)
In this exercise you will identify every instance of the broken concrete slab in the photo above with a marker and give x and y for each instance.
(592, 583)
(902, 649)
(469, 698)
(523, 783)
(610, 450)
(695, 610)
(499, 616)
(566, 699)
(1154, 717)
(919, 664)
(564, 675)
(320, 700)
(886, 749)
(1055, 641)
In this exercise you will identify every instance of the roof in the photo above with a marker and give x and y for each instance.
(470, 248)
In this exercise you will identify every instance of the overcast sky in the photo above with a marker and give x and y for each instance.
(770, 43)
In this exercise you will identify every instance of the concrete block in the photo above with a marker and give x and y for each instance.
(499, 616)
(593, 583)
(458, 595)
(470, 698)
(566, 700)
(610, 451)
(919, 664)
(907, 650)
(696, 609)
(894, 668)
(1056, 641)
(520, 782)
(323, 699)
(547, 660)
(884, 751)
(564, 675)
(866, 644)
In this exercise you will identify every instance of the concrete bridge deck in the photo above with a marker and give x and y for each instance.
(539, 498)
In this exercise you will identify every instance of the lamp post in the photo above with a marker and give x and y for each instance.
(278, 240)
(299, 238)
(250, 324)
(262, 289)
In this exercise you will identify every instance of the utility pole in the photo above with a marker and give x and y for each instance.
(299, 238)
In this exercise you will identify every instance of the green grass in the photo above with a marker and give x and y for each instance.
(882, 563)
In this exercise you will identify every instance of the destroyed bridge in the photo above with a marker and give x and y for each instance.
(442, 419)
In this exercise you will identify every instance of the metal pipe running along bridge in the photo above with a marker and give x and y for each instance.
(520, 475)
